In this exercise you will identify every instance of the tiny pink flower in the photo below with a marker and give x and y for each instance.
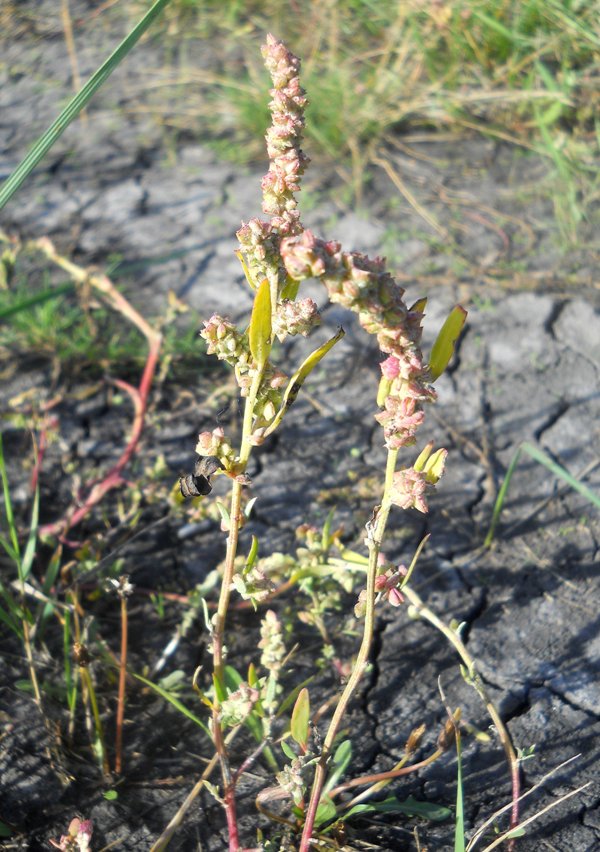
(409, 488)
(395, 597)
(390, 368)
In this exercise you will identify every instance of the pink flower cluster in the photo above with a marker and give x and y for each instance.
(295, 318)
(229, 344)
(79, 837)
(215, 444)
(411, 484)
(259, 241)
(284, 137)
(226, 342)
(363, 285)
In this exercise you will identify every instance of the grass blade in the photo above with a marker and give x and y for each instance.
(32, 301)
(8, 511)
(459, 828)
(560, 472)
(74, 107)
(30, 547)
(542, 458)
(174, 701)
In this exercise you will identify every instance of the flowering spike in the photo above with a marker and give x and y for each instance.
(259, 241)
(363, 285)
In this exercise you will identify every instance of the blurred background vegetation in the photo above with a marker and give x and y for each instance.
(382, 76)
(526, 72)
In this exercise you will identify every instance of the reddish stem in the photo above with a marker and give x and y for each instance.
(232, 827)
(113, 478)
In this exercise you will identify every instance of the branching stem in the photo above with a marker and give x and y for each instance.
(475, 680)
(374, 540)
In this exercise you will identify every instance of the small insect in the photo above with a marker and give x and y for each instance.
(197, 484)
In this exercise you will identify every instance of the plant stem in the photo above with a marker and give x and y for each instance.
(91, 693)
(113, 479)
(379, 780)
(374, 540)
(476, 682)
(221, 614)
(122, 682)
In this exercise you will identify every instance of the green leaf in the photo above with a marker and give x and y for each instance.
(30, 547)
(410, 807)
(46, 609)
(111, 795)
(260, 325)
(341, 759)
(291, 696)
(252, 555)
(29, 302)
(443, 348)
(232, 678)
(12, 625)
(174, 701)
(74, 107)
(297, 380)
(247, 273)
(8, 511)
(10, 551)
(300, 719)
(326, 811)
(5, 830)
(383, 391)
(516, 832)
(252, 676)
(542, 458)
(224, 512)
(290, 289)
(550, 115)
(271, 690)
(220, 689)
(288, 750)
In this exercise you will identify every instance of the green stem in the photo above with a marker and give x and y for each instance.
(477, 683)
(222, 608)
(122, 685)
(89, 686)
(374, 542)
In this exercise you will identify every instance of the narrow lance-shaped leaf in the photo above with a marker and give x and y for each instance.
(297, 380)
(300, 719)
(443, 348)
(29, 302)
(410, 807)
(542, 458)
(290, 289)
(383, 391)
(252, 555)
(459, 825)
(326, 811)
(8, 511)
(30, 547)
(340, 762)
(247, 273)
(260, 325)
(174, 701)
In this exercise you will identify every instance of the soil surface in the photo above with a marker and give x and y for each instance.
(114, 193)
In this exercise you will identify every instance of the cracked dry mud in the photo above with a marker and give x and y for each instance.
(527, 370)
